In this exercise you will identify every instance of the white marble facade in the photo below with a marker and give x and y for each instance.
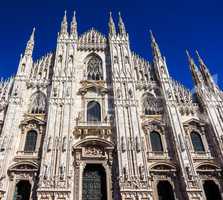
(93, 103)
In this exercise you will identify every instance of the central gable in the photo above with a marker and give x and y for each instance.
(92, 40)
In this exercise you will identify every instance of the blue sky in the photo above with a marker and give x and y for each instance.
(177, 25)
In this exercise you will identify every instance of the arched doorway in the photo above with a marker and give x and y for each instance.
(165, 191)
(211, 190)
(22, 190)
(94, 183)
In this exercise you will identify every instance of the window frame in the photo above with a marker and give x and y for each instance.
(201, 140)
(100, 113)
(90, 58)
(161, 142)
(25, 141)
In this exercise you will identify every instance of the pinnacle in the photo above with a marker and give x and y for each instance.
(152, 36)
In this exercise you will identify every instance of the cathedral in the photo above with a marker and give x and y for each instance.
(95, 121)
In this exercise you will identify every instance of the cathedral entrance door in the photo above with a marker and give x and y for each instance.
(22, 190)
(165, 191)
(94, 183)
(211, 190)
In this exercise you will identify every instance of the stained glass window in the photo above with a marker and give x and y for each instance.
(94, 69)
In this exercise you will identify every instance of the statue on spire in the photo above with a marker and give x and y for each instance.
(30, 44)
(121, 25)
(111, 24)
(194, 70)
(205, 73)
(74, 26)
(155, 46)
(63, 30)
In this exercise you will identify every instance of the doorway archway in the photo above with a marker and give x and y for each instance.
(211, 190)
(94, 183)
(165, 191)
(22, 190)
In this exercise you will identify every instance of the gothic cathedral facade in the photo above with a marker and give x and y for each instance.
(95, 121)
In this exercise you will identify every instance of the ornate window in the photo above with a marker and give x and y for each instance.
(38, 103)
(94, 68)
(197, 142)
(30, 143)
(93, 111)
(152, 105)
(156, 142)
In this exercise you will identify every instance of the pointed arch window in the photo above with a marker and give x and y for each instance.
(197, 142)
(156, 142)
(30, 143)
(93, 111)
(38, 103)
(94, 68)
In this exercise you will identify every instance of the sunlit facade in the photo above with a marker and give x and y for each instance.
(95, 121)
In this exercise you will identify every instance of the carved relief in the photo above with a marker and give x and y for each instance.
(93, 151)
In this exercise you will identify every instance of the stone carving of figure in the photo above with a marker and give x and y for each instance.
(130, 93)
(64, 143)
(115, 60)
(123, 146)
(49, 144)
(182, 144)
(70, 65)
(68, 92)
(61, 171)
(45, 172)
(142, 172)
(138, 146)
(125, 173)
(189, 173)
(55, 91)
(118, 93)
(126, 60)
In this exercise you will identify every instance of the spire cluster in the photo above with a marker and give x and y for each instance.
(201, 75)
(64, 27)
(121, 26)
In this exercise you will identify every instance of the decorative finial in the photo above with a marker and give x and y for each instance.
(194, 70)
(155, 46)
(33, 34)
(30, 44)
(64, 24)
(121, 25)
(191, 60)
(74, 26)
(65, 16)
(152, 36)
(74, 18)
(199, 58)
(206, 73)
(112, 29)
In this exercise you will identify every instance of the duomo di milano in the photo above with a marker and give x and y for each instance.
(95, 121)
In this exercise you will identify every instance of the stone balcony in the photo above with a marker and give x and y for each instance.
(22, 155)
(98, 129)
